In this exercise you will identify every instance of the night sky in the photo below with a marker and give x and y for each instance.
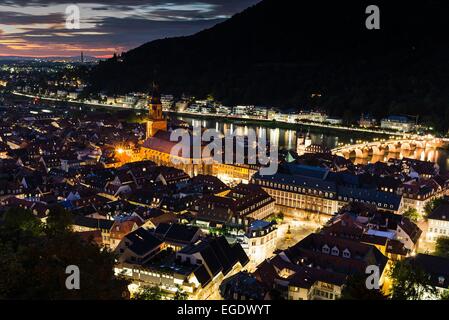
(37, 27)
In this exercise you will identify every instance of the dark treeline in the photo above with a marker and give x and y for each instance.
(280, 52)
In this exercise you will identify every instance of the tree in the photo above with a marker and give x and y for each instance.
(281, 216)
(20, 223)
(35, 257)
(432, 205)
(59, 219)
(275, 294)
(276, 218)
(442, 247)
(356, 289)
(445, 295)
(180, 294)
(149, 293)
(410, 282)
(412, 214)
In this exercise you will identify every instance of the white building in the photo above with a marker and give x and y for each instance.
(182, 106)
(167, 102)
(398, 123)
(259, 242)
(302, 143)
(73, 95)
(242, 110)
(438, 223)
(61, 93)
(335, 121)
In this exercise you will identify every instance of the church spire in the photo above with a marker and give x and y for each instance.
(155, 95)
(154, 103)
(156, 120)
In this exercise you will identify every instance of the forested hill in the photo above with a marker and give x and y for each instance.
(280, 52)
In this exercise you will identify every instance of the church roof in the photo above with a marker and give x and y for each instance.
(161, 142)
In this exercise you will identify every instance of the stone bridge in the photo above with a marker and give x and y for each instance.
(381, 148)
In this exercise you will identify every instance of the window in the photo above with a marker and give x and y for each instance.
(335, 251)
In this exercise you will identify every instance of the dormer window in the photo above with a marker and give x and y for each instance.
(346, 254)
(335, 251)
(326, 249)
(441, 281)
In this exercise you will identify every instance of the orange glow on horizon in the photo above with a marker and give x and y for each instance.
(50, 56)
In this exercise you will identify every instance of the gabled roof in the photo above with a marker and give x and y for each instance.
(161, 142)
(371, 195)
(300, 181)
(440, 213)
(202, 275)
(92, 223)
(176, 232)
(217, 254)
(245, 285)
(412, 230)
(142, 241)
(309, 252)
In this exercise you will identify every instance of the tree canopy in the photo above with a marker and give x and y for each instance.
(442, 247)
(410, 282)
(148, 293)
(356, 289)
(432, 205)
(35, 256)
(412, 214)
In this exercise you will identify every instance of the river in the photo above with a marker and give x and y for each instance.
(286, 139)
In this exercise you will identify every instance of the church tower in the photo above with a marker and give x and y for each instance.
(156, 120)
(303, 142)
(308, 139)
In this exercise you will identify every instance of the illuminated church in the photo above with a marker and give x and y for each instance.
(156, 120)
(158, 147)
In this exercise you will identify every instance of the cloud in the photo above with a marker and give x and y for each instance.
(106, 26)
(16, 18)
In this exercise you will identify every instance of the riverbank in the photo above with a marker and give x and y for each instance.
(313, 127)
(304, 126)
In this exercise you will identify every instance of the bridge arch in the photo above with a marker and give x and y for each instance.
(376, 150)
(406, 146)
(383, 148)
(358, 153)
(420, 144)
(391, 148)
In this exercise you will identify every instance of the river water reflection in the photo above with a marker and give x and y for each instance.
(286, 139)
